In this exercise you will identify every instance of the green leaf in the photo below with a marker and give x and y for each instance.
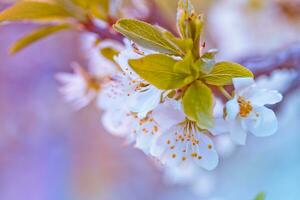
(184, 44)
(31, 10)
(37, 35)
(158, 69)
(184, 10)
(189, 24)
(109, 53)
(260, 196)
(187, 66)
(223, 73)
(184, 66)
(198, 104)
(147, 36)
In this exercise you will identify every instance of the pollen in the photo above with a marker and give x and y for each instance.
(209, 146)
(173, 155)
(155, 129)
(245, 107)
(183, 158)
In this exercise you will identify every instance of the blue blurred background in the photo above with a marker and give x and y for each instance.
(50, 152)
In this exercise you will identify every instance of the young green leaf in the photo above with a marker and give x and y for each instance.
(189, 24)
(223, 73)
(158, 69)
(37, 35)
(32, 10)
(184, 66)
(187, 66)
(147, 36)
(184, 44)
(184, 11)
(260, 196)
(198, 104)
(109, 53)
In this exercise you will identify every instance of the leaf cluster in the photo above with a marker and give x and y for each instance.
(179, 64)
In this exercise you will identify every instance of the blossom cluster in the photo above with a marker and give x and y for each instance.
(153, 119)
(163, 91)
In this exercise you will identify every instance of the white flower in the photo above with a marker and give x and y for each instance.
(149, 129)
(113, 100)
(145, 97)
(78, 88)
(181, 142)
(186, 143)
(246, 112)
(97, 63)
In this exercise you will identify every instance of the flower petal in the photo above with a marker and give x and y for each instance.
(144, 102)
(261, 97)
(168, 114)
(144, 142)
(232, 108)
(209, 156)
(221, 127)
(237, 133)
(242, 83)
(183, 147)
(265, 124)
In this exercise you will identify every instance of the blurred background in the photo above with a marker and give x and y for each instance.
(50, 152)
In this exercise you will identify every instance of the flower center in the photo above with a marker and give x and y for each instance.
(184, 142)
(93, 84)
(245, 107)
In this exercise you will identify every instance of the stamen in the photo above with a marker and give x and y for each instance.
(245, 107)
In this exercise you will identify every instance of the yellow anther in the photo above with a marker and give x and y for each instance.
(245, 107)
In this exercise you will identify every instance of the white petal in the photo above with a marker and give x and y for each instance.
(179, 151)
(221, 127)
(242, 83)
(144, 142)
(261, 97)
(232, 108)
(218, 107)
(237, 133)
(167, 114)
(265, 124)
(144, 102)
(147, 131)
(116, 123)
(206, 150)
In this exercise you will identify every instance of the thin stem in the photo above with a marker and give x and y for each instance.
(224, 92)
